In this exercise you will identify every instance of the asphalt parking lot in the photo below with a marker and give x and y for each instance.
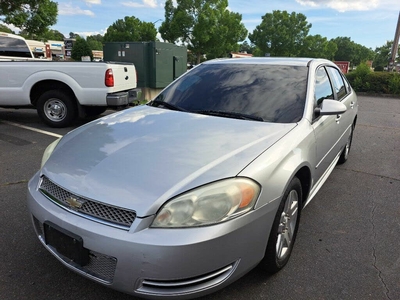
(347, 246)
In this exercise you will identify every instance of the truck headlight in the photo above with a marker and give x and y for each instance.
(209, 204)
(49, 150)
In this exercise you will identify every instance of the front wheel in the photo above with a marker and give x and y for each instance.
(345, 153)
(284, 229)
(56, 108)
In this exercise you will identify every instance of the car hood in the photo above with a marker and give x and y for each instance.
(141, 157)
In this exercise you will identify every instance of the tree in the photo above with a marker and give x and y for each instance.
(317, 46)
(81, 48)
(351, 51)
(382, 55)
(206, 27)
(281, 33)
(33, 16)
(4, 28)
(169, 29)
(52, 34)
(130, 29)
(246, 47)
(346, 49)
(362, 54)
(95, 42)
(73, 35)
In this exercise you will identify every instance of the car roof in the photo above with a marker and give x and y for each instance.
(282, 61)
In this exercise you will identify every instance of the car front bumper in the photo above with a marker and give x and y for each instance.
(153, 262)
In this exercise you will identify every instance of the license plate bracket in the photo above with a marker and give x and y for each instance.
(66, 243)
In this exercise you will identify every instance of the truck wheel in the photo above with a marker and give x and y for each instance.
(56, 108)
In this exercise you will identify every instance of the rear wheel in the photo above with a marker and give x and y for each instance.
(284, 229)
(56, 108)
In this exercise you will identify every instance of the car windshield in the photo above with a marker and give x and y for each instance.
(259, 92)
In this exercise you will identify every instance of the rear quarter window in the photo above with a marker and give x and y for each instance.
(14, 47)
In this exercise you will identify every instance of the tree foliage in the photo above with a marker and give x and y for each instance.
(95, 42)
(351, 51)
(4, 28)
(73, 35)
(246, 47)
(130, 29)
(169, 29)
(206, 27)
(53, 34)
(281, 33)
(33, 16)
(346, 49)
(316, 46)
(81, 48)
(382, 55)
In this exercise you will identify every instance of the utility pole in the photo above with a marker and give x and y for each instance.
(395, 46)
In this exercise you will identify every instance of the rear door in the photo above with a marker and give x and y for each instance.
(347, 97)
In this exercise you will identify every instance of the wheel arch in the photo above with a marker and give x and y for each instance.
(47, 85)
(304, 175)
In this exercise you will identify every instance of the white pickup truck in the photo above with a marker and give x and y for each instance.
(61, 91)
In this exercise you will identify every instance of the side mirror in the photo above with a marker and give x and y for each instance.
(330, 107)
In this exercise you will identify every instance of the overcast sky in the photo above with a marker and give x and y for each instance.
(367, 22)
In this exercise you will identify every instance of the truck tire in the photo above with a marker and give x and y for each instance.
(56, 108)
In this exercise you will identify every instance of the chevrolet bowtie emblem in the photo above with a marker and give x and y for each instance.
(74, 203)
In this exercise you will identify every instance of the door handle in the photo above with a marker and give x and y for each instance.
(338, 117)
(352, 104)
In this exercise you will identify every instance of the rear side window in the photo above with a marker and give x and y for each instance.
(273, 93)
(13, 47)
(338, 83)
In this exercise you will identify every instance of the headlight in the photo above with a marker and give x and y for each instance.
(209, 204)
(49, 150)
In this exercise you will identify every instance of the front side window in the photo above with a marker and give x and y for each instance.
(266, 92)
(323, 88)
(338, 83)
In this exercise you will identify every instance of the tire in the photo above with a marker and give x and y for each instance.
(284, 229)
(94, 110)
(345, 153)
(56, 108)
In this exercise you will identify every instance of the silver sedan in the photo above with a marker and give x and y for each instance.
(180, 197)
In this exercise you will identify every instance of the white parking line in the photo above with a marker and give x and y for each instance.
(32, 129)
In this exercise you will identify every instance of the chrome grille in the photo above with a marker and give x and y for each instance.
(87, 207)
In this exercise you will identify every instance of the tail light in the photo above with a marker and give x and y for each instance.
(109, 78)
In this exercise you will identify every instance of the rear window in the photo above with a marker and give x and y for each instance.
(13, 47)
(273, 93)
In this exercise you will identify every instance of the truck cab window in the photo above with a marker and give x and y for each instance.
(14, 47)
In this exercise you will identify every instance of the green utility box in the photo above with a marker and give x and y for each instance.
(157, 63)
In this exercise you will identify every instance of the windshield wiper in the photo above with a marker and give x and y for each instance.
(166, 105)
(229, 114)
